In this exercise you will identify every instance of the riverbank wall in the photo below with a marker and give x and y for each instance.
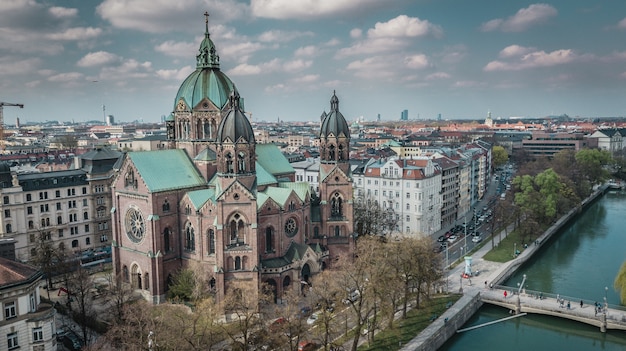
(436, 334)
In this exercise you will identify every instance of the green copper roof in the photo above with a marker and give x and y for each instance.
(199, 197)
(301, 188)
(270, 157)
(263, 177)
(279, 195)
(166, 170)
(206, 155)
(207, 81)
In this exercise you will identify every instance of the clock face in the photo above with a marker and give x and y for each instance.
(135, 226)
(291, 227)
(181, 106)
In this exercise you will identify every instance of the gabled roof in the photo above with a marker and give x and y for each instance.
(206, 155)
(164, 170)
(199, 197)
(270, 157)
(280, 195)
(263, 177)
(300, 188)
(15, 273)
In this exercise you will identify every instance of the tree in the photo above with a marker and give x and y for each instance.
(119, 294)
(499, 156)
(326, 290)
(241, 305)
(593, 163)
(68, 141)
(620, 283)
(48, 258)
(80, 288)
(372, 219)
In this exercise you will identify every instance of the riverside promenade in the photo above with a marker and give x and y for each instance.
(477, 291)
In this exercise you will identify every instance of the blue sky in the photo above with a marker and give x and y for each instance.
(64, 58)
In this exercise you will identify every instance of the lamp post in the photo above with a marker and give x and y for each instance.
(606, 303)
(514, 249)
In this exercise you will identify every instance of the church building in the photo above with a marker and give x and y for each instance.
(220, 201)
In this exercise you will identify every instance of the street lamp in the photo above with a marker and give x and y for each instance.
(514, 249)
(606, 304)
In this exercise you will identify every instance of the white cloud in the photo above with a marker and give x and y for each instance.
(14, 66)
(174, 74)
(97, 59)
(306, 51)
(177, 48)
(372, 67)
(404, 27)
(467, 84)
(307, 9)
(62, 12)
(524, 19)
(418, 61)
(240, 51)
(437, 75)
(296, 65)
(372, 46)
(66, 77)
(128, 69)
(309, 78)
(77, 33)
(622, 24)
(533, 60)
(161, 16)
(356, 33)
(623, 75)
(245, 69)
(282, 36)
(514, 50)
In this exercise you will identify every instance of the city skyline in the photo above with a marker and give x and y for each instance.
(64, 59)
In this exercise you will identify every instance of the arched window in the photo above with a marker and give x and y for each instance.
(59, 220)
(229, 163)
(211, 241)
(316, 231)
(166, 206)
(331, 152)
(166, 240)
(336, 206)
(213, 285)
(237, 263)
(125, 274)
(74, 243)
(241, 162)
(31, 225)
(190, 238)
(337, 230)
(269, 239)
(340, 152)
(237, 230)
(146, 281)
(9, 228)
(85, 215)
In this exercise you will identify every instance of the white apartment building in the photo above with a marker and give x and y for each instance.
(411, 188)
(26, 323)
(70, 208)
(308, 171)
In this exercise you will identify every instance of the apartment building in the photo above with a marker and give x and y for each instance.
(70, 208)
(26, 323)
(409, 187)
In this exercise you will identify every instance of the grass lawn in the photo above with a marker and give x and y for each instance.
(407, 329)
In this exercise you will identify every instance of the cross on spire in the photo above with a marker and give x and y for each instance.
(206, 20)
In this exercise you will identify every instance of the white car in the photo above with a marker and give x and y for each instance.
(452, 239)
(477, 239)
(312, 318)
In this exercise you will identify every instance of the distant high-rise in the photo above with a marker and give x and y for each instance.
(439, 117)
(110, 120)
(378, 118)
(404, 115)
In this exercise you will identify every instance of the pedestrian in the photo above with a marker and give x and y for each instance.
(505, 294)
(581, 303)
(558, 298)
(485, 284)
(568, 305)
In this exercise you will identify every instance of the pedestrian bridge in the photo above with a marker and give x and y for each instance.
(608, 317)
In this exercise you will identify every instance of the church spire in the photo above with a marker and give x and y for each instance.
(207, 57)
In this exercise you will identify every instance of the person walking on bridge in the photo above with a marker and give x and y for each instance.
(581, 303)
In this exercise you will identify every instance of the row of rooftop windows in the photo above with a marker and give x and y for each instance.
(43, 195)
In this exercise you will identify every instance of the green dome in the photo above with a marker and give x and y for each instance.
(203, 83)
(334, 123)
(207, 81)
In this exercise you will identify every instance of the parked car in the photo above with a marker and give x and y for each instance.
(477, 239)
(305, 311)
(277, 324)
(441, 239)
(312, 318)
(452, 238)
(306, 345)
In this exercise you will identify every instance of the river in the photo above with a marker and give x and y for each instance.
(579, 262)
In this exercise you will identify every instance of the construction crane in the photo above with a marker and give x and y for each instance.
(2, 104)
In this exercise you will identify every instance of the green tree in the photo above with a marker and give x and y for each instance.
(593, 163)
(183, 285)
(499, 156)
(620, 283)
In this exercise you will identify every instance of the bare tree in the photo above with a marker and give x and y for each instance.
(372, 219)
(241, 305)
(80, 288)
(49, 258)
(328, 293)
(119, 293)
